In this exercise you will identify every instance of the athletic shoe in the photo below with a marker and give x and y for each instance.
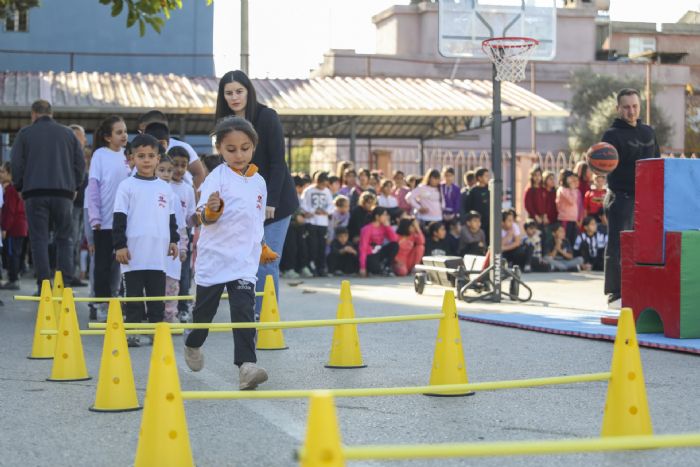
(185, 316)
(75, 282)
(250, 375)
(133, 341)
(14, 285)
(291, 274)
(194, 358)
(306, 272)
(102, 313)
(93, 312)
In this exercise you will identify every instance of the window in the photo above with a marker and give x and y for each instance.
(640, 44)
(552, 124)
(16, 21)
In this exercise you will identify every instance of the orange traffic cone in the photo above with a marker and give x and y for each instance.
(116, 391)
(43, 346)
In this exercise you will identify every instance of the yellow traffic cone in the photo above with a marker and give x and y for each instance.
(43, 346)
(116, 391)
(448, 360)
(322, 445)
(57, 292)
(626, 408)
(345, 349)
(270, 339)
(68, 360)
(163, 438)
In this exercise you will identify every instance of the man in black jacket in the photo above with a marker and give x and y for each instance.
(48, 167)
(633, 141)
(479, 199)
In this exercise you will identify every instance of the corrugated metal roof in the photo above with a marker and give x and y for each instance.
(304, 104)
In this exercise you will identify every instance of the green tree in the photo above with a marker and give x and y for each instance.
(301, 155)
(593, 108)
(145, 13)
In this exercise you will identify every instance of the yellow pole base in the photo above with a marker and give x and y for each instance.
(116, 391)
(270, 339)
(69, 359)
(448, 360)
(345, 348)
(43, 347)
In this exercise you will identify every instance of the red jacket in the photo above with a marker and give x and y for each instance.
(551, 203)
(13, 218)
(536, 202)
(593, 201)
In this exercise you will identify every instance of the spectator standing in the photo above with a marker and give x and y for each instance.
(14, 227)
(469, 180)
(350, 188)
(48, 166)
(317, 202)
(340, 216)
(426, 199)
(450, 193)
(550, 187)
(78, 202)
(536, 198)
(584, 176)
(594, 198)
(401, 190)
(568, 204)
(237, 96)
(479, 199)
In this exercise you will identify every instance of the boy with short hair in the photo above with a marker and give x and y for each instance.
(479, 199)
(533, 242)
(593, 199)
(186, 198)
(343, 257)
(340, 217)
(316, 201)
(334, 185)
(590, 245)
(159, 131)
(472, 240)
(144, 232)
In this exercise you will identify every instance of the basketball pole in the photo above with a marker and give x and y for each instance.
(496, 189)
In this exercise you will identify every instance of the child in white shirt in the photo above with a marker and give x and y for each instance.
(144, 232)
(173, 266)
(317, 202)
(232, 211)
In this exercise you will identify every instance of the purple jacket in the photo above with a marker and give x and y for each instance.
(451, 195)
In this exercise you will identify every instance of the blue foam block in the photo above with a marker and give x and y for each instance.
(681, 194)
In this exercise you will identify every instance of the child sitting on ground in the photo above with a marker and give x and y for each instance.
(590, 245)
(472, 240)
(342, 258)
(513, 249)
(437, 244)
(533, 242)
(340, 216)
(411, 246)
(144, 233)
(232, 213)
(561, 256)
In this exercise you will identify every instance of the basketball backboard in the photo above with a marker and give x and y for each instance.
(465, 24)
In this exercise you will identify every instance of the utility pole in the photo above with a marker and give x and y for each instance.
(245, 55)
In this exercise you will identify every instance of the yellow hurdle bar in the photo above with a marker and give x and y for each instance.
(515, 448)
(30, 298)
(398, 391)
(101, 332)
(312, 323)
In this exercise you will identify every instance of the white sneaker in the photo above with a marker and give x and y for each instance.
(194, 358)
(101, 313)
(306, 272)
(291, 274)
(250, 375)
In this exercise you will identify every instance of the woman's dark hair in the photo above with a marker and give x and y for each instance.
(342, 167)
(251, 106)
(563, 175)
(433, 227)
(430, 173)
(179, 151)
(404, 228)
(378, 211)
(364, 172)
(103, 131)
(347, 172)
(535, 168)
(232, 123)
(581, 170)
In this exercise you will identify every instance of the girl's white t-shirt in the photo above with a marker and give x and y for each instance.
(311, 199)
(388, 202)
(185, 193)
(109, 168)
(148, 205)
(229, 249)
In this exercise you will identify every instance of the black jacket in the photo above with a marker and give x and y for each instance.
(47, 160)
(632, 143)
(269, 158)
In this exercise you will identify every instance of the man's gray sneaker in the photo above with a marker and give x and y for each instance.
(250, 375)
(194, 358)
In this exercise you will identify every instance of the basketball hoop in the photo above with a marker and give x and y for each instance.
(510, 55)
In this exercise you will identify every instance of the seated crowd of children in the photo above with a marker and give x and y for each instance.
(359, 222)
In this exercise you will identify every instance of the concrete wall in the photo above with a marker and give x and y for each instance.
(87, 26)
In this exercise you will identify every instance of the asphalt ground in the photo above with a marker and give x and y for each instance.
(48, 424)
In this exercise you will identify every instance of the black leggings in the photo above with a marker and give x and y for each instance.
(147, 283)
(104, 259)
(241, 299)
(381, 260)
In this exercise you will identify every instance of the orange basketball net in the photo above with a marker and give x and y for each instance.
(510, 56)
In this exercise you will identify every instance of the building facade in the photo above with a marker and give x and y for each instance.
(81, 35)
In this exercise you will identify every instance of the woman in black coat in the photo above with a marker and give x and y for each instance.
(237, 96)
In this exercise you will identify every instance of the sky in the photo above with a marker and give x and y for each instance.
(289, 37)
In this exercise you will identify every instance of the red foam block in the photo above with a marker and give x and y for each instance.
(649, 212)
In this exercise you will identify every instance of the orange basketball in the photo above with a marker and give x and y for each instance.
(602, 158)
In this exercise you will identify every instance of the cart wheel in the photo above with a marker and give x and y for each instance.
(419, 281)
(460, 282)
